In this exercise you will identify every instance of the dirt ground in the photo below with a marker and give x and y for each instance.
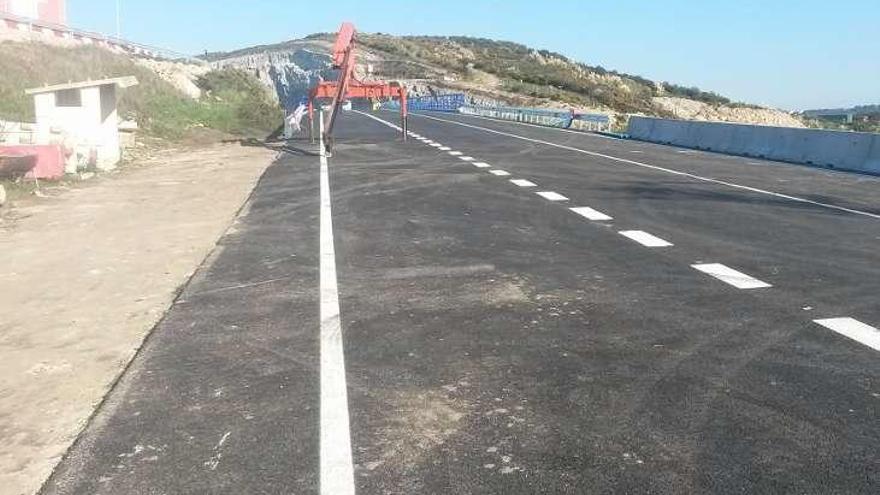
(85, 274)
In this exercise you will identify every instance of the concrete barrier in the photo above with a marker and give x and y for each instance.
(853, 151)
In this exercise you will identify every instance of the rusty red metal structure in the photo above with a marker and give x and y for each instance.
(347, 87)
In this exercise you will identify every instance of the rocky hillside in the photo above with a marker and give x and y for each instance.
(490, 72)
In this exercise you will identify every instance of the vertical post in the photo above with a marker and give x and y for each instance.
(311, 121)
(321, 150)
(403, 111)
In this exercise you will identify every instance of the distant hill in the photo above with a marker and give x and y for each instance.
(492, 71)
(856, 111)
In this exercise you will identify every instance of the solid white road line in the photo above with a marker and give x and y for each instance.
(499, 173)
(444, 148)
(552, 196)
(482, 165)
(337, 470)
(729, 275)
(854, 329)
(456, 153)
(524, 183)
(645, 239)
(466, 158)
(658, 168)
(590, 214)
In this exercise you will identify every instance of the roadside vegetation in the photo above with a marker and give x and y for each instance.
(233, 101)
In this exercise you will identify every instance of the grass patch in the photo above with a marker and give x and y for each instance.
(235, 102)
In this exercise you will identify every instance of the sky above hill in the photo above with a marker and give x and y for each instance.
(792, 54)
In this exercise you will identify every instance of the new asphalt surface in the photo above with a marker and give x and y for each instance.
(623, 318)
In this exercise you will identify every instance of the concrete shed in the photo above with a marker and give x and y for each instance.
(86, 113)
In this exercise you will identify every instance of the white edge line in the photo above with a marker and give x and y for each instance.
(337, 470)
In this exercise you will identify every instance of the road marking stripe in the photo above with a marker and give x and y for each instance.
(466, 158)
(456, 153)
(552, 196)
(524, 183)
(482, 165)
(730, 276)
(499, 173)
(436, 145)
(661, 169)
(590, 214)
(337, 470)
(444, 148)
(645, 239)
(854, 329)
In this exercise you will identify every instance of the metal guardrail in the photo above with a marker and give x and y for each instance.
(440, 103)
(457, 102)
(12, 21)
(564, 119)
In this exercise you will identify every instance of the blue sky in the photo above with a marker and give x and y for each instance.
(792, 54)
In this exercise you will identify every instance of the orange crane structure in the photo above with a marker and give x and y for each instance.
(347, 87)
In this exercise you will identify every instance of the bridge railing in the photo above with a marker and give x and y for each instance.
(565, 119)
(457, 102)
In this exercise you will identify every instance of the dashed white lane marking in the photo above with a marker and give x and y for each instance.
(436, 145)
(854, 329)
(551, 196)
(730, 276)
(444, 148)
(466, 158)
(591, 214)
(524, 183)
(661, 169)
(337, 470)
(456, 153)
(645, 239)
(499, 173)
(482, 165)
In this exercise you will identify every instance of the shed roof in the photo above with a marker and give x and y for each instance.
(122, 82)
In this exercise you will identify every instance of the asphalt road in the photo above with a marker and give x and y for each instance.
(661, 337)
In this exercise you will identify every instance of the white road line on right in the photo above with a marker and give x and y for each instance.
(730, 276)
(661, 169)
(482, 165)
(456, 153)
(444, 148)
(436, 145)
(337, 470)
(551, 196)
(853, 329)
(645, 239)
(466, 158)
(523, 183)
(499, 173)
(591, 214)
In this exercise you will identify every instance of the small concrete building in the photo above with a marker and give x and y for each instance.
(86, 114)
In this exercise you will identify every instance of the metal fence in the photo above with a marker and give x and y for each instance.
(457, 102)
(440, 103)
(41, 28)
(564, 119)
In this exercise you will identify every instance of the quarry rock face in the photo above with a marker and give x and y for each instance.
(290, 73)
